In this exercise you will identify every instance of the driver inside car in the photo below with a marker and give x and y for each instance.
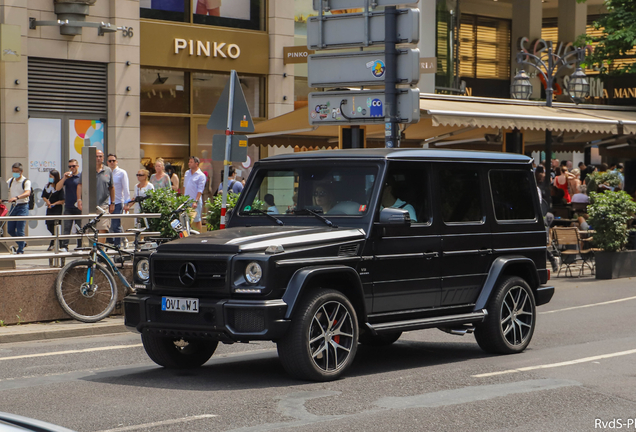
(390, 200)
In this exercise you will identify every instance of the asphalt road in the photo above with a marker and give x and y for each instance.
(578, 374)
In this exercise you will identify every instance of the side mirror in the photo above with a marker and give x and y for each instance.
(228, 215)
(395, 217)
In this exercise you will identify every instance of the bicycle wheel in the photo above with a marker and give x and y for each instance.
(82, 301)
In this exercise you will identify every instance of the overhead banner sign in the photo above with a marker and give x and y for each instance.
(361, 107)
(358, 69)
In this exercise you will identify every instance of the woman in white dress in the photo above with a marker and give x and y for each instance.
(141, 189)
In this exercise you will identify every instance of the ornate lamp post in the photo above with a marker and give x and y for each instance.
(549, 68)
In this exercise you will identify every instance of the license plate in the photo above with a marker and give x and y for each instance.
(180, 304)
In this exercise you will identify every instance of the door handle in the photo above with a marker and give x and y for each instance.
(485, 251)
(430, 255)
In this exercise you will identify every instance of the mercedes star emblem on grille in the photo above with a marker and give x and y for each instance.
(187, 274)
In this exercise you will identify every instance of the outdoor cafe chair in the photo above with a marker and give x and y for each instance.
(572, 251)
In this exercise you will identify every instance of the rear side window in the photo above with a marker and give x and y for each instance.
(513, 194)
(461, 196)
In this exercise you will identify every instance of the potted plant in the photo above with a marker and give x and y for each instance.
(164, 201)
(213, 217)
(609, 214)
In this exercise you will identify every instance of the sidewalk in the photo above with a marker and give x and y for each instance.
(60, 329)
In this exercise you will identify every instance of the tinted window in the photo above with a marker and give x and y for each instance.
(513, 194)
(460, 195)
(406, 187)
(321, 188)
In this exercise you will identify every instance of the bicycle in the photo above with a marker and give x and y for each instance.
(86, 288)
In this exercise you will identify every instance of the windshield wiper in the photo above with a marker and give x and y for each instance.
(257, 211)
(313, 213)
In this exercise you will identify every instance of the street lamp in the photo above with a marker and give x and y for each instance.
(521, 87)
(578, 89)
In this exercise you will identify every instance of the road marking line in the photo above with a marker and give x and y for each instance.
(553, 365)
(108, 348)
(160, 423)
(589, 305)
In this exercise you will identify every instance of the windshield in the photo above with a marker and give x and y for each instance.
(327, 190)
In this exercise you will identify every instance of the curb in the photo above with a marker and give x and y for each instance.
(37, 332)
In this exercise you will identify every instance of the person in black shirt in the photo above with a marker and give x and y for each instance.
(54, 201)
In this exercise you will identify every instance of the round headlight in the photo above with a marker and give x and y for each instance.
(253, 272)
(143, 269)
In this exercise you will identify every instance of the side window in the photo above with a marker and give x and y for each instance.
(460, 195)
(406, 187)
(513, 194)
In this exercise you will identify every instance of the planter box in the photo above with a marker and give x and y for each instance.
(614, 265)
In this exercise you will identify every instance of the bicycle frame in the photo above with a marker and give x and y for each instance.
(98, 248)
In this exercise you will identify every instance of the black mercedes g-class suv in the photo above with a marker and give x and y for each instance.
(329, 249)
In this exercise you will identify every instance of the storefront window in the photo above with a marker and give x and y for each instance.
(245, 14)
(484, 47)
(167, 138)
(170, 10)
(207, 89)
(164, 91)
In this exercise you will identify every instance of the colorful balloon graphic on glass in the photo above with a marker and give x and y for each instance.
(89, 132)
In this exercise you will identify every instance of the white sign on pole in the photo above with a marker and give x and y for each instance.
(45, 155)
(360, 107)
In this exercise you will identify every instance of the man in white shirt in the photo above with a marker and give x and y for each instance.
(20, 191)
(193, 185)
(122, 195)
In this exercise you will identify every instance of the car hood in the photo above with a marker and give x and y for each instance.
(257, 239)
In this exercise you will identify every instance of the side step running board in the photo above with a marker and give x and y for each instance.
(424, 323)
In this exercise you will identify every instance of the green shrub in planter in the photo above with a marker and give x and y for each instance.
(609, 213)
(164, 201)
(606, 178)
(214, 204)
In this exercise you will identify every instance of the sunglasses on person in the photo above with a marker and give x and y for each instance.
(112, 160)
(320, 193)
(72, 166)
(141, 175)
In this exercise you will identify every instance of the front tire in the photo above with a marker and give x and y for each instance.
(512, 313)
(83, 301)
(178, 354)
(321, 343)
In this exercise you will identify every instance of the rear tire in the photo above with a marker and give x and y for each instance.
(82, 302)
(512, 313)
(383, 339)
(322, 340)
(166, 352)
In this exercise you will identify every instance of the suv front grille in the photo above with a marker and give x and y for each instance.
(209, 272)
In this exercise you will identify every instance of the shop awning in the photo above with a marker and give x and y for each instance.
(454, 118)
(525, 117)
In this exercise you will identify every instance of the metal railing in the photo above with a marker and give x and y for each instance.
(56, 254)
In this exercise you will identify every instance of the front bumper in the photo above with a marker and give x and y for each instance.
(218, 319)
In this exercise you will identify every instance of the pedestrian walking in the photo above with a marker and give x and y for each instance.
(160, 179)
(54, 201)
(234, 186)
(122, 195)
(174, 178)
(141, 189)
(105, 192)
(70, 184)
(20, 191)
(193, 184)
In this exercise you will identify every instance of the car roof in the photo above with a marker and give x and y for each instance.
(403, 154)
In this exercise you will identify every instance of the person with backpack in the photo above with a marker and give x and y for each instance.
(20, 192)
(233, 185)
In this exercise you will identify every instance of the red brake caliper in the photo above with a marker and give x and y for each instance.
(336, 338)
